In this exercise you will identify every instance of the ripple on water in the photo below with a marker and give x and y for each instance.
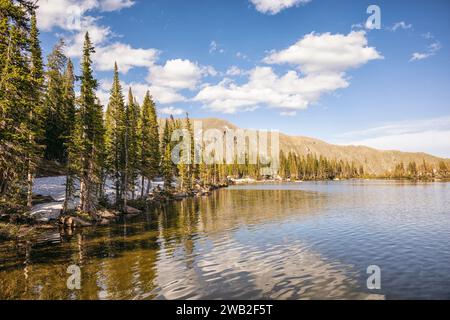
(295, 241)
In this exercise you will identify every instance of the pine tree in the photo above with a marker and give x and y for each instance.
(88, 137)
(150, 155)
(132, 116)
(192, 167)
(16, 100)
(70, 122)
(116, 139)
(54, 112)
(167, 167)
(35, 107)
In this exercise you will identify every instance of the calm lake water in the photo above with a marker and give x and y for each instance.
(311, 240)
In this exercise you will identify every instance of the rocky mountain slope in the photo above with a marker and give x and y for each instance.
(374, 161)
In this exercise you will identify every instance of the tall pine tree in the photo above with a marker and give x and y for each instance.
(149, 140)
(70, 122)
(132, 120)
(16, 100)
(54, 106)
(115, 139)
(35, 107)
(88, 136)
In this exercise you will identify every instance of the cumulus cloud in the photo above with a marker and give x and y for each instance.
(177, 74)
(171, 111)
(289, 92)
(322, 61)
(234, 71)
(105, 55)
(327, 52)
(161, 95)
(114, 5)
(126, 57)
(74, 17)
(65, 14)
(69, 14)
(275, 6)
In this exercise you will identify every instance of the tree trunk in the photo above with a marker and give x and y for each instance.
(30, 189)
(149, 184)
(142, 187)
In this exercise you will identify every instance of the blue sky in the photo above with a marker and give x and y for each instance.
(307, 68)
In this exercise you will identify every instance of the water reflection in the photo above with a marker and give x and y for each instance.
(237, 244)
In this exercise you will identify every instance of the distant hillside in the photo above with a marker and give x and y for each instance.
(374, 161)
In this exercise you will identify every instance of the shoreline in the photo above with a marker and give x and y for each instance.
(29, 227)
(16, 231)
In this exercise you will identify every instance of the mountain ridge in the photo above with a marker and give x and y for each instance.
(374, 161)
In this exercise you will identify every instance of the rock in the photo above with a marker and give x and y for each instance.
(105, 222)
(106, 214)
(74, 222)
(131, 210)
(46, 212)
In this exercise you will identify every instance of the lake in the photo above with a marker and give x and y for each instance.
(310, 240)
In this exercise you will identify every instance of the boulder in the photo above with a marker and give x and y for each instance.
(106, 214)
(74, 222)
(131, 210)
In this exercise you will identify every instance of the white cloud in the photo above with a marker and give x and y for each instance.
(234, 71)
(105, 55)
(161, 95)
(177, 74)
(428, 135)
(171, 111)
(432, 49)
(401, 25)
(357, 26)
(166, 95)
(289, 92)
(73, 17)
(70, 14)
(416, 56)
(214, 46)
(275, 6)
(65, 14)
(114, 5)
(288, 113)
(98, 35)
(323, 61)
(327, 52)
(125, 56)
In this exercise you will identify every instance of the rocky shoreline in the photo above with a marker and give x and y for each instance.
(17, 226)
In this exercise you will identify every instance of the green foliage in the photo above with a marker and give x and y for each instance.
(87, 139)
(20, 88)
(150, 155)
(54, 105)
(115, 139)
(132, 127)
